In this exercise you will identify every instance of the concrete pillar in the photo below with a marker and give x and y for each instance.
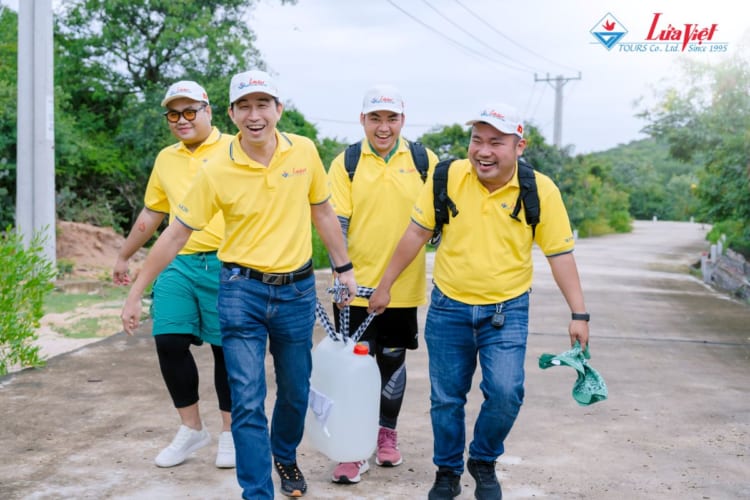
(35, 158)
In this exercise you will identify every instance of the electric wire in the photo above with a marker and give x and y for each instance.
(474, 37)
(455, 42)
(484, 21)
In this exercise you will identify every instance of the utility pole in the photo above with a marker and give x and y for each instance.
(35, 150)
(557, 83)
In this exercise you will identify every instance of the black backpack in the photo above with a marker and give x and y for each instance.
(443, 204)
(418, 156)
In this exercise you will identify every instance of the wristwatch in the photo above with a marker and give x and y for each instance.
(580, 316)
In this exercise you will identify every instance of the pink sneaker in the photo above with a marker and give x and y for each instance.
(350, 472)
(388, 454)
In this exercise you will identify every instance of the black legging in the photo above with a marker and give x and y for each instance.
(392, 365)
(181, 373)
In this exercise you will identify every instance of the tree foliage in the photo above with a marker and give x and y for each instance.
(113, 61)
(8, 105)
(657, 184)
(450, 141)
(707, 119)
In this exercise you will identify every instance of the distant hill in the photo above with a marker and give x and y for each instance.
(657, 184)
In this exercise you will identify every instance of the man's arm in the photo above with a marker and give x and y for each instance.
(408, 247)
(329, 229)
(144, 227)
(165, 249)
(565, 272)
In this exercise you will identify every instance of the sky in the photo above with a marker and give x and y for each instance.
(449, 58)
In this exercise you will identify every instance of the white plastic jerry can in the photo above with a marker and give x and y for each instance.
(343, 412)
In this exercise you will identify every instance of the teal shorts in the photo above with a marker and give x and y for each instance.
(184, 298)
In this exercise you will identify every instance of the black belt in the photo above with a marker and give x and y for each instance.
(272, 278)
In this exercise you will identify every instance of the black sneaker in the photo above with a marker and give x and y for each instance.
(488, 488)
(292, 481)
(447, 485)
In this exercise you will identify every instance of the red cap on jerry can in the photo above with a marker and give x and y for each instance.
(361, 349)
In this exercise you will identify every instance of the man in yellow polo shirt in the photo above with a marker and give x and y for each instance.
(269, 186)
(480, 301)
(184, 296)
(373, 208)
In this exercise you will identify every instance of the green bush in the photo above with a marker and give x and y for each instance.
(737, 234)
(25, 280)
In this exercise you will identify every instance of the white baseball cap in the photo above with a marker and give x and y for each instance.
(185, 88)
(251, 82)
(382, 98)
(503, 117)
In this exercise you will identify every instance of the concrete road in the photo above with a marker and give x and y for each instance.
(674, 353)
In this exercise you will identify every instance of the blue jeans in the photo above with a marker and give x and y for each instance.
(456, 335)
(252, 314)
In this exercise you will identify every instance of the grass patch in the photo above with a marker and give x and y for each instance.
(59, 301)
(84, 328)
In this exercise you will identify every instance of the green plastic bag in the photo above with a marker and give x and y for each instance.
(589, 386)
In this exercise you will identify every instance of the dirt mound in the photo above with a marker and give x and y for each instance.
(91, 249)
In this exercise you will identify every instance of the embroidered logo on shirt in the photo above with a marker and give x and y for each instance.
(295, 172)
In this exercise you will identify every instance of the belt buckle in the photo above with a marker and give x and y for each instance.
(273, 279)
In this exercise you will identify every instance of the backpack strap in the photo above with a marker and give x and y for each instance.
(528, 195)
(351, 158)
(444, 206)
(419, 157)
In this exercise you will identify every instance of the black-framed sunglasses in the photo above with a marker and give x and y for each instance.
(189, 114)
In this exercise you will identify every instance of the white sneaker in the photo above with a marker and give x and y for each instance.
(225, 454)
(184, 443)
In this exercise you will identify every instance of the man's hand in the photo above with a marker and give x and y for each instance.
(347, 279)
(379, 300)
(131, 314)
(120, 274)
(579, 330)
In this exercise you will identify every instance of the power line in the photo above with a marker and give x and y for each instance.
(472, 36)
(483, 21)
(459, 44)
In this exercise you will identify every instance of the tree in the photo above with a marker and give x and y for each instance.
(113, 61)
(451, 141)
(647, 172)
(8, 104)
(707, 119)
(131, 46)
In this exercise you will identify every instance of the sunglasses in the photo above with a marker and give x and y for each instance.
(189, 114)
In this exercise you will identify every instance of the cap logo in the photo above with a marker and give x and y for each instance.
(252, 83)
(519, 129)
(493, 114)
(180, 90)
(383, 100)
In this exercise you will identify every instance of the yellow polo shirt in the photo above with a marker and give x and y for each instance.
(266, 209)
(485, 255)
(174, 169)
(378, 202)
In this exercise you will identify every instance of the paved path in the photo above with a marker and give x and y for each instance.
(674, 353)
